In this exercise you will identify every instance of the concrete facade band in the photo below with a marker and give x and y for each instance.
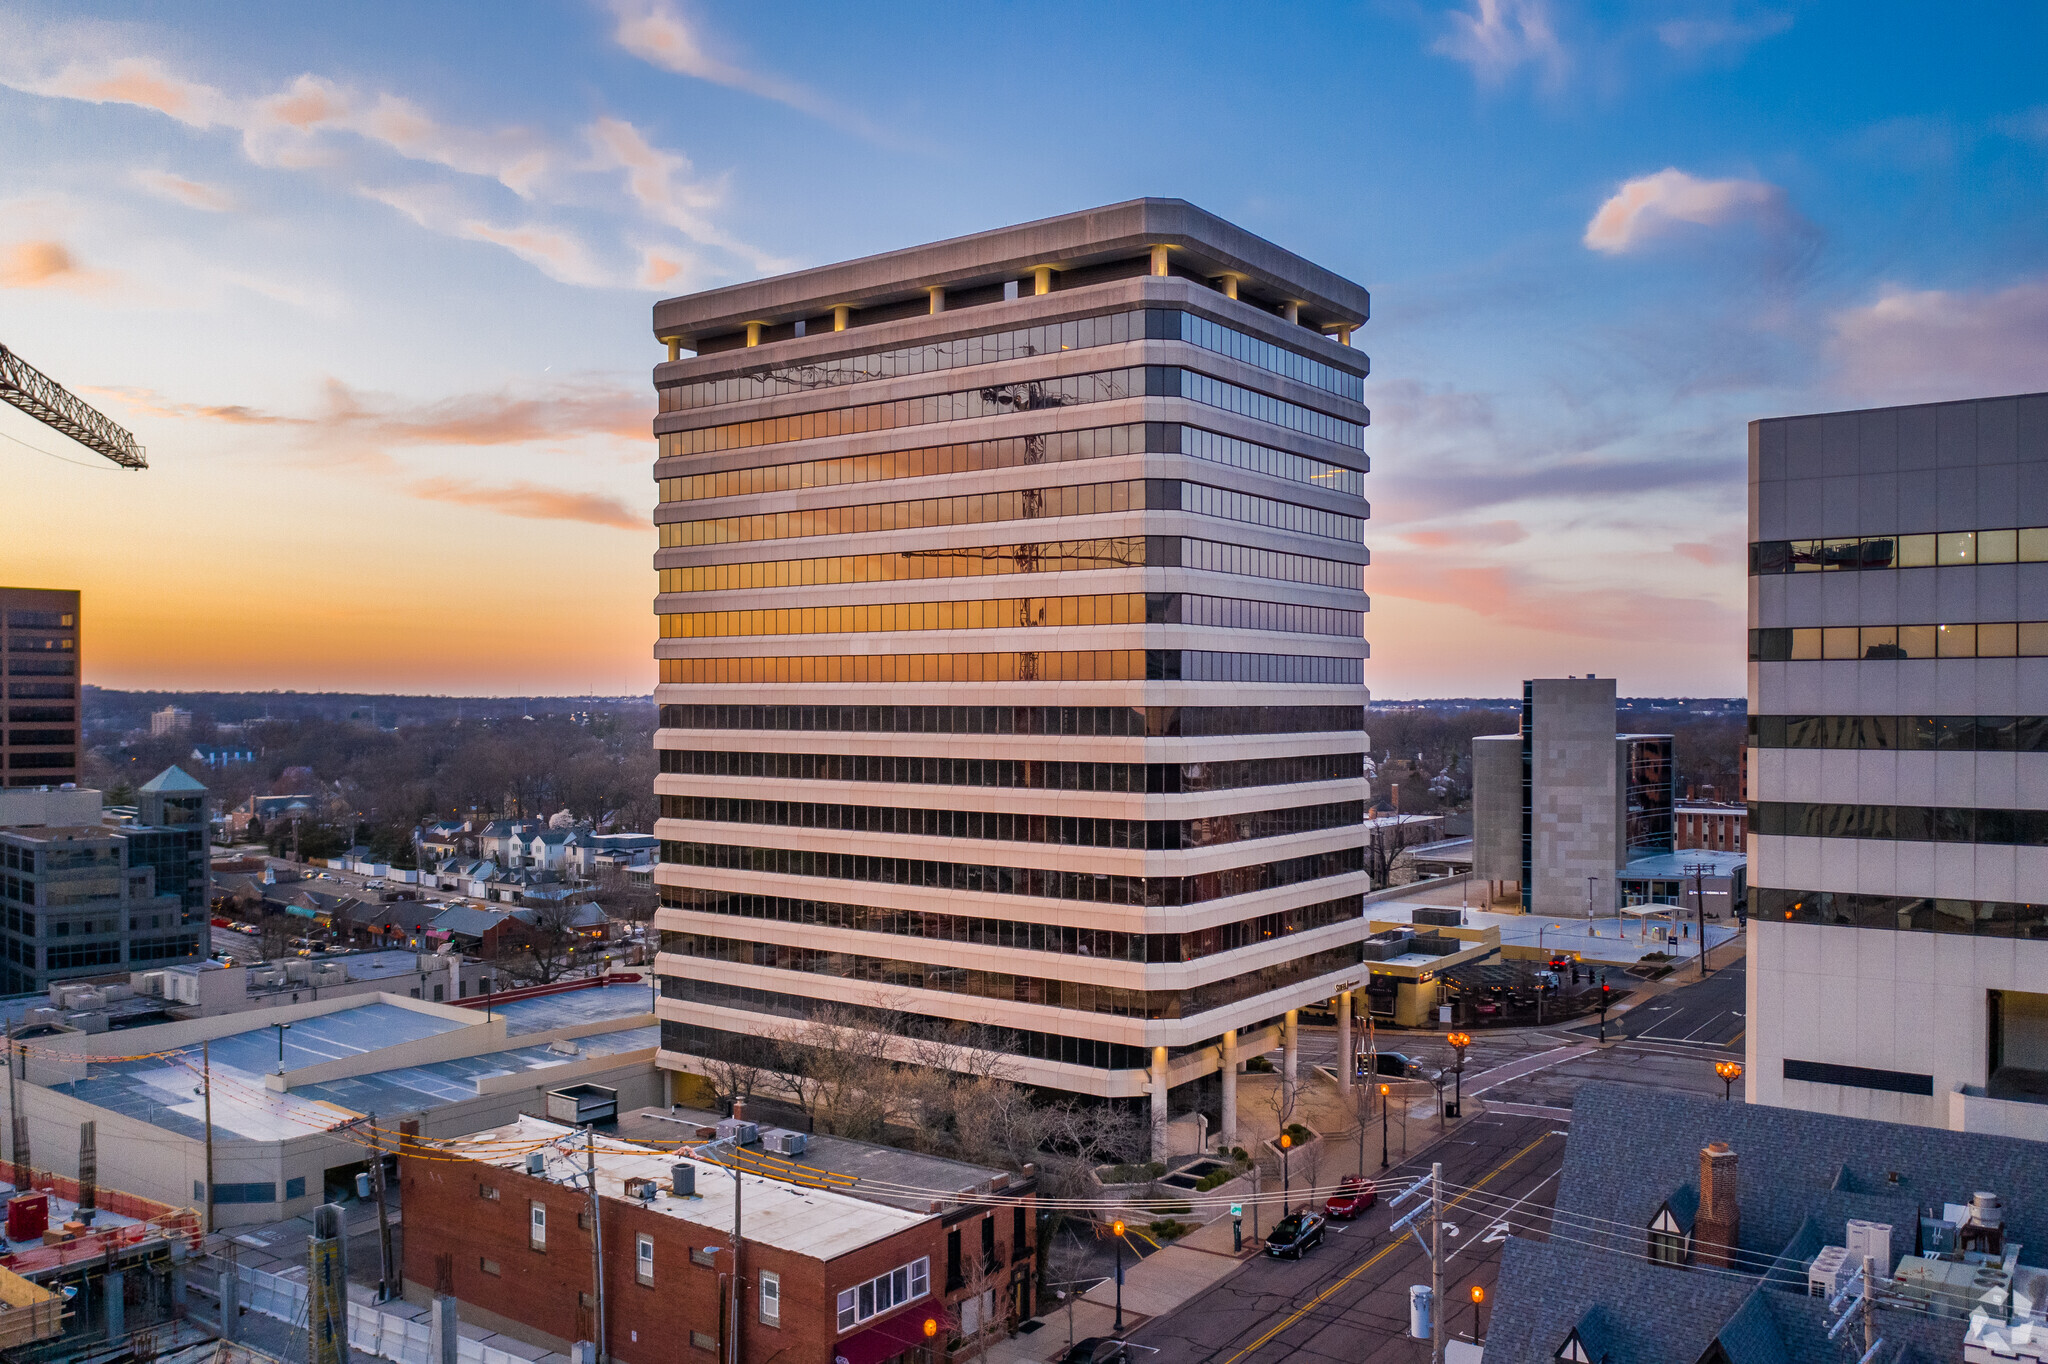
(1097, 797)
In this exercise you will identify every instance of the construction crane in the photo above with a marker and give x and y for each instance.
(57, 407)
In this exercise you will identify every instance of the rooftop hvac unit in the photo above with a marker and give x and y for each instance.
(643, 1189)
(1873, 1239)
(535, 1162)
(683, 1180)
(739, 1131)
(1829, 1271)
(153, 983)
(784, 1142)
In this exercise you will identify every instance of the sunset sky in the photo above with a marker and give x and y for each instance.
(372, 284)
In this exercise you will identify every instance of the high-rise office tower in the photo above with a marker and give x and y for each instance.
(1898, 700)
(1011, 656)
(39, 743)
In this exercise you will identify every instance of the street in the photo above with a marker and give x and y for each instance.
(1348, 1299)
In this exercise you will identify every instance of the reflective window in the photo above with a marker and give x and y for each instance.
(1163, 382)
(1071, 391)
(1018, 934)
(1040, 882)
(1012, 344)
(1967, 733)
(1015, 773)
(1006, 826)
(1048, 556)
(1157, 381)
(1214, 336)
(1902, 823)
(1054, 447)
(1024, 504)
(1005, 613)
(1054, 993)
(1086, 721)
(1998, 639)
(2027, 545)
(1102, 665)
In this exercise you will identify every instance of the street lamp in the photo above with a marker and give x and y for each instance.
(1478, 1297)
(1459, 1041)
(1384, 1091)
(1286, 1203)
(282, 1028)
(1730, 1072)
(1117, 1228)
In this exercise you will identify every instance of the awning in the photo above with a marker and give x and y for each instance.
(301, 911)
(904, 1331)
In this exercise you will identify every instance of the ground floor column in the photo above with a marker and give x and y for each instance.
(1290, 1054)
(1228, 1131)
(1158, 1078)
(1344, 1063)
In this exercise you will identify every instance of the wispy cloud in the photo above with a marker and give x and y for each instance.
(656, 32)
(1938, 343)
(1485, 534)
(46, 264)
(179, 190)
(500, 417)
(531, 501)
(317, 124)
(1652, 206)
(1527, 601)
(1497, 38)
(1702, 34)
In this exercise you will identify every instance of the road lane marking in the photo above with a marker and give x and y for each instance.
(1319, 1299)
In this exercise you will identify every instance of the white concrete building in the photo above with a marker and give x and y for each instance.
(1898, 695)
(1011, 660)
(1562, 805)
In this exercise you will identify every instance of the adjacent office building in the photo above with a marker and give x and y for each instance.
(39, 742)
(82, 897)
(1011, 648)
(1561, 806)
(1898, 695)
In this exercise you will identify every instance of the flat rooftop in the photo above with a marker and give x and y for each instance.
(164, 1090)
(819, 1223)
(595, 1004)
(1620, 940)
(882, 1170)
(1678, 865)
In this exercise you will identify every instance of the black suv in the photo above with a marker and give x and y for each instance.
(1295, 1234)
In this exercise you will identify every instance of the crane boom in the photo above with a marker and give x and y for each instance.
(57, 407)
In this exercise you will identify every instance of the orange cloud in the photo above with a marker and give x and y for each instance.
(190, 193)
(1487, 533)
(532, 501)
(1650, 206)
(1698, 553)
(1514, 598)
(486, 419)
(44, 264)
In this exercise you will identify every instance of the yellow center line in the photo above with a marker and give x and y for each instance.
(1319, 1299)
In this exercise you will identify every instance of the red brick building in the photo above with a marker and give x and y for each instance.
(1716, 828)
(825, 1275)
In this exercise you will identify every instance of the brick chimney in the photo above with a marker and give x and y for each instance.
(1719, 1224)
(739, 1112)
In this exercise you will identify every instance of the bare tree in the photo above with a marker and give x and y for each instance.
(274, 934)
(544, 949)
(848, 1058)
(739, 1070)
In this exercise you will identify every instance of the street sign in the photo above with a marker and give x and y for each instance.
(1237, 1209)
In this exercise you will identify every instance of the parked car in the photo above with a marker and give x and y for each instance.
(1354, 1195)
(1296, 1234)
(1096, 1350)
(1391, 1063)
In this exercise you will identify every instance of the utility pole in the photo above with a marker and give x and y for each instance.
(1436, 1263)
(387, 1287)
(18, 1125)
(206, 1089)
(1699, 903)
(596, 1237)
(735, 1252)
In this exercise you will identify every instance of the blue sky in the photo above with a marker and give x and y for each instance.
(372, 283)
